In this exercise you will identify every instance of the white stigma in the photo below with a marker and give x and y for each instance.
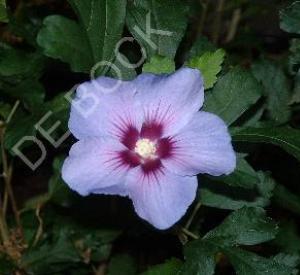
(145, 148)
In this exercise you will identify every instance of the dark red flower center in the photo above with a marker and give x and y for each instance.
(146, 148)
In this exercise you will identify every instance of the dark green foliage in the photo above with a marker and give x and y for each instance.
(276, 90)
(93, 39)
(225, 99)
(153, 26)
(122, 262)
(247, 226)
(47, 47)
(290, 18)
(285, 137)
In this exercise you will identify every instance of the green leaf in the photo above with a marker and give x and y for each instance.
(26, 24)
(99, 242)
(217, 194)
(19, 74)
(58, 191)
(30, 92)
(200, 47)
(22, 125)
(103, 23)
(209, 64)
(3, 13)
(286, 199)
(159, 65)
(296, 93)
(248, 263)
(170, 267)
(162, 33)
(200, 258)
(290, 18)
(243, 176)
(51, 257)
(119, 70)
(288, 238)
(252, 119)
(285, 137)
(233, 94)
(275, 89)
(64, 39)
(246, 226)
(226, 191)
(294, 57)
(93, 39)
(5, 110)
(122, 263)
(288, 260)
(87, 238)
(19, 63)
(59, 107)
(30, 224)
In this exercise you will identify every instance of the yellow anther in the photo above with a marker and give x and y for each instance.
(145, 148)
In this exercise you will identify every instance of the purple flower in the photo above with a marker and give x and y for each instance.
(146, 139)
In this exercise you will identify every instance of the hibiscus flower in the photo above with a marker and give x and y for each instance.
(146, 139)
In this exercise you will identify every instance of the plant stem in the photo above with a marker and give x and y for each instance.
(204, 5)
(236, 17)
(39, 232)
(3, 229)
(217, 21)
(190, 234)
(196, 209)
(5, 202)
(14, 109)
(7, 178)
(7, 173)
(7, 170)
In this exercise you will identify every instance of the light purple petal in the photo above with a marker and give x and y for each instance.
(161, 199)
(203, 146)
(103, 107)
(170, 99)
(93, 164)
(119, 189)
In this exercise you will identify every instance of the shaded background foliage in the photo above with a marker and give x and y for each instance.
(244, 223)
